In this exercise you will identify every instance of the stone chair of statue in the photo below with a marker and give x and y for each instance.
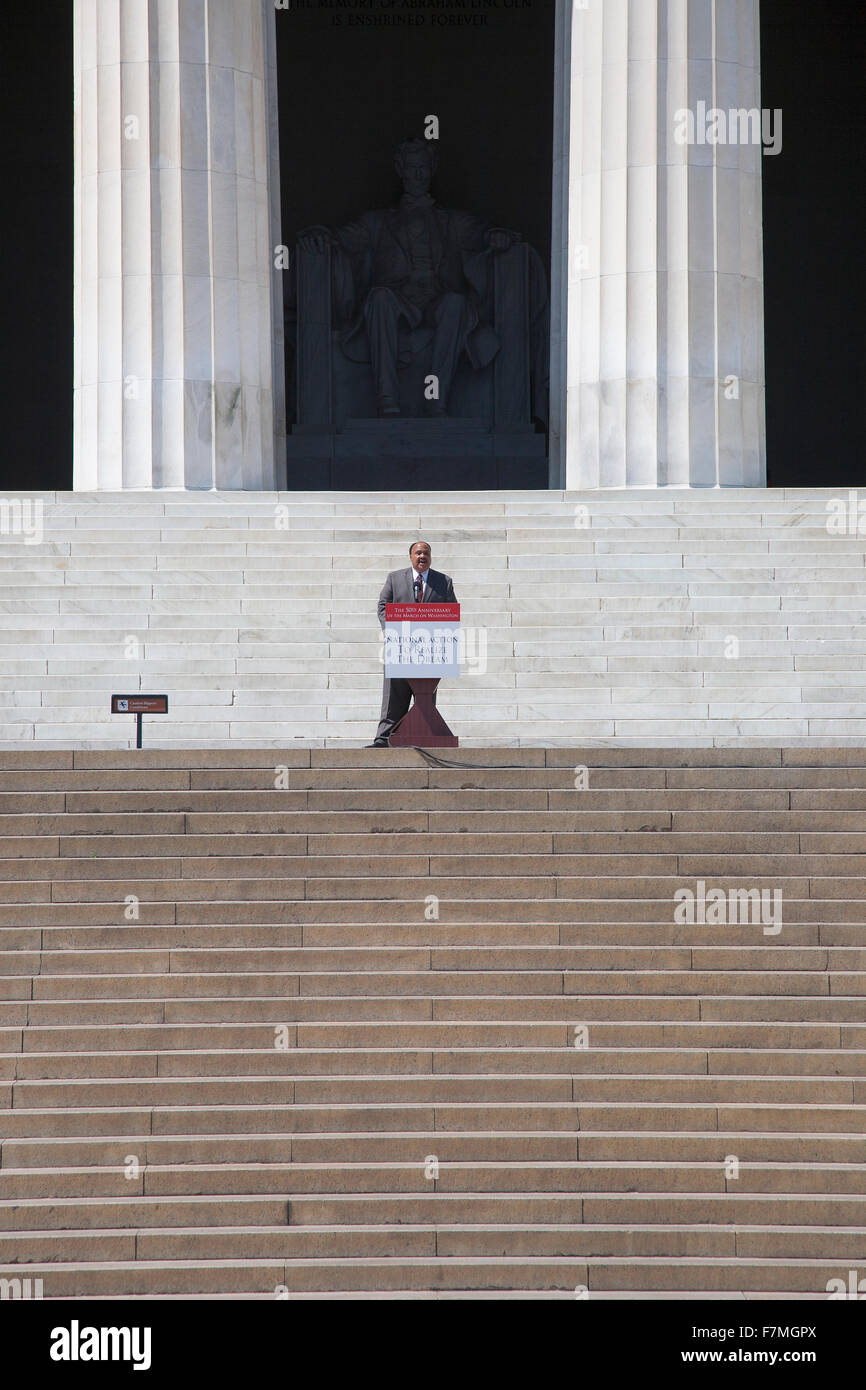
(496, 404)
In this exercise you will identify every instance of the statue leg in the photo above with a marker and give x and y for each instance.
(382, 312)
(451, 316)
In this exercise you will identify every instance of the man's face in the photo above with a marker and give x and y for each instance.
(420, 557)
(415, 172)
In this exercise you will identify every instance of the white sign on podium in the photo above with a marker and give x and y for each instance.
(422, 640)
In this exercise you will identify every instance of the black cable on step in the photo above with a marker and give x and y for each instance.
(483, 767)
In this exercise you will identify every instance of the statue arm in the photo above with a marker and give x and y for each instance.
(350, 250)
(474, 235)
(352, 264)
(468, 231)
(354, 238)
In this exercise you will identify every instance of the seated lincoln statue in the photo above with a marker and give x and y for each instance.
(418, 278)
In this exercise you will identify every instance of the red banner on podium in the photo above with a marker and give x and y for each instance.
(422, 612)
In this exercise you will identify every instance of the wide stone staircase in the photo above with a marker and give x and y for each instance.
(661, 618)
(319, 1023)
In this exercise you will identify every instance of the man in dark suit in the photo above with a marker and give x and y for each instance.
(417, 584)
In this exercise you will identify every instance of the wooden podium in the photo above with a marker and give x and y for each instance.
(421, 646)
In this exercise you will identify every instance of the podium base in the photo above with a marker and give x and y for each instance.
(423, 726)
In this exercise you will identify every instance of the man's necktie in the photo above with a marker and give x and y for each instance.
(419, 588)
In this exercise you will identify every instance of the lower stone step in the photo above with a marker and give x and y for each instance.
(399, 1241)
(284, 1277)
(521, 1135)
(283, 1180)
(627, 1210)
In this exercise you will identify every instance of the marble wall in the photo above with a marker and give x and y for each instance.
(657, 247)
(178, 307)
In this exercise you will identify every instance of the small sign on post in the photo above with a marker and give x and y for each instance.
(139, 705)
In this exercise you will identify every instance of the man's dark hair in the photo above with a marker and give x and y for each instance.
(414, 543)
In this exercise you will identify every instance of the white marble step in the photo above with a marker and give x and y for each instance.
(606, 615)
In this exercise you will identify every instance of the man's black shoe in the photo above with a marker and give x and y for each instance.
(378, 743)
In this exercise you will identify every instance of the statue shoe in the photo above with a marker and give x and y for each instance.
(388, 406)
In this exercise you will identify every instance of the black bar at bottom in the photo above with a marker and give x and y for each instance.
(818, 1339)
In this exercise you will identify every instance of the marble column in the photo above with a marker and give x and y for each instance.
(178, 304)
(657, 293)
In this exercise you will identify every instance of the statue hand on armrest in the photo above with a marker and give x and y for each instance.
(501, 238)
(315, 239)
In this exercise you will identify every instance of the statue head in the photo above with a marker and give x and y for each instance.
(415, 162)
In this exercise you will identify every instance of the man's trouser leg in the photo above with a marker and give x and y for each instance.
(396, 697)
